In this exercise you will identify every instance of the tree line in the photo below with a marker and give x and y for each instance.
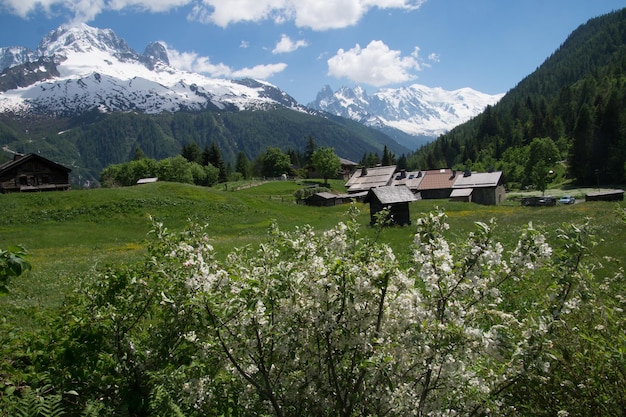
(207, 167)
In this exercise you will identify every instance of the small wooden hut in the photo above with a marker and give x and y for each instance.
(396, 198)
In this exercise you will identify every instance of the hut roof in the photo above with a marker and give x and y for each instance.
(391, 194)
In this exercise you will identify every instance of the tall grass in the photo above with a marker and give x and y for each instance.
(68, 234)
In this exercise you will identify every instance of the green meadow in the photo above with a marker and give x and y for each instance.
(69, 234)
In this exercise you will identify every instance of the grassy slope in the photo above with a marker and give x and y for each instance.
(69, 234)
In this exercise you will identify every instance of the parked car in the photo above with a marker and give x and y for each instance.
(539, 201)
(567, 199)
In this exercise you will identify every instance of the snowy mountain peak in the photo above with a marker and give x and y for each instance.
(83, 38)
(14, 55)
(416, 110)
(80, 68)
(155, 53)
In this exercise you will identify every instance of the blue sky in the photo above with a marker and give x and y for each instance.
(301, 45)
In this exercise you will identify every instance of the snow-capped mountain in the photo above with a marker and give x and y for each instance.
(416, 110)
(80, 68)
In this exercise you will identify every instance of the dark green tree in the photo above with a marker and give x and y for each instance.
(388, 157)
(212, 155)
(580, 150)
(138, 154)
(274, 162)
(192, 152)
(543, 156)
(242, 165)
(326, 163)
(310, 148)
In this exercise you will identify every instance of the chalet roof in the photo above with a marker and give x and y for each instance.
(391, 194)
(438, 179)
(478, 180)
(19, 160)
(364, 179)
(408, 178)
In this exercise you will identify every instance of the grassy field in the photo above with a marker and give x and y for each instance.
(68, 234)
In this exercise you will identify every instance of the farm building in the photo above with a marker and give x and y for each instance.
(367, 178)
(33, 173)
(479, 187)
(608, 195)
(396, 198)
(437, 183)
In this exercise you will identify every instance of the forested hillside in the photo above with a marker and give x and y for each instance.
(576, 98)
(91, 142)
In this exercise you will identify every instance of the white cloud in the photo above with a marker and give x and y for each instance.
(262, 72)
(244, 44)
(286, 45)
(376, 65)
(434, 57)
(222, 13)
(191, 61)
(147, 5)
(314, 14)
(86, 10)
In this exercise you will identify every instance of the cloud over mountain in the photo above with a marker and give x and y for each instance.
(314, 14)
(376, 65)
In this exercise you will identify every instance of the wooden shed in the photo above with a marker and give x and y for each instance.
(33, 173)
(607, 195)
(396, 198)
(321, 199)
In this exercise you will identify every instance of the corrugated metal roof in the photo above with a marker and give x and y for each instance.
(438, 179)
(373, 177)
(408, 178)
(391, 194)
(478, 179)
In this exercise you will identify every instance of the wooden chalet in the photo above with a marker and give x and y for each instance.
(437, 183)
(396, 198)
(479, 187)
(33, 173)
(366, 178)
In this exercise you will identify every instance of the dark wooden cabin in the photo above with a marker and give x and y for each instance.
(607, 195)
(397, 198)
(33, 173)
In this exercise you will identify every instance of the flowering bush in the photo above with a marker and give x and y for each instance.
(331, 323)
